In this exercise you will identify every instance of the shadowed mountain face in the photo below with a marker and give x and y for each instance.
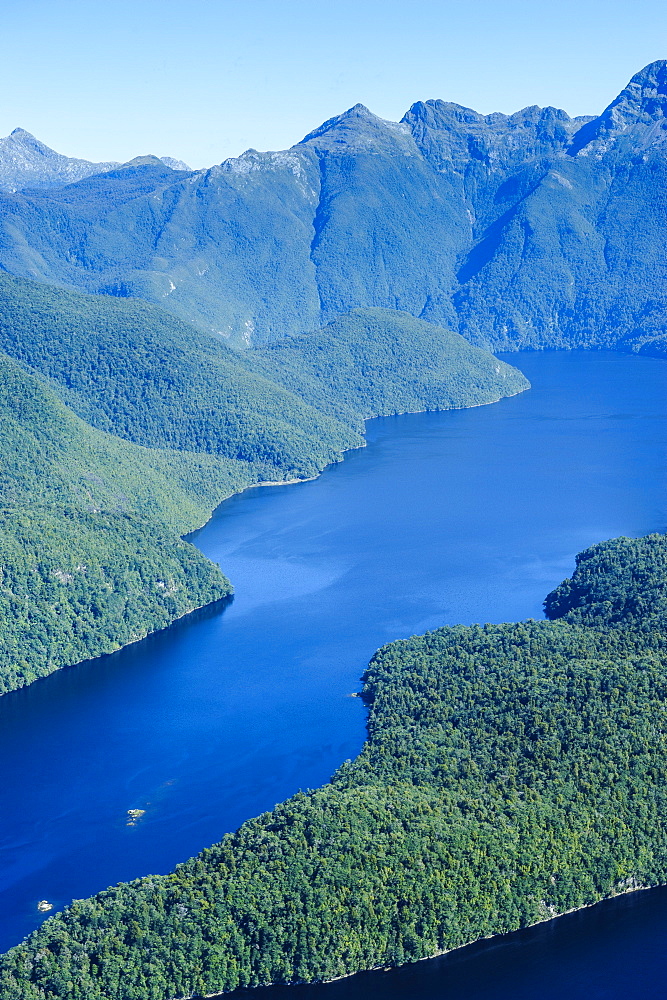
(524, 230)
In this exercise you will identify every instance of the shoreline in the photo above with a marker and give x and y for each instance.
(437, 954)
(251, 486)
(126, 645)
(541, 913)
(342, 454)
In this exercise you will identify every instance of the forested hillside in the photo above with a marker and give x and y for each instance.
(122, 428)
(74, 585)
(373, 361)
(617, 583)
(512, 772)
(89, 548)
(525, 230)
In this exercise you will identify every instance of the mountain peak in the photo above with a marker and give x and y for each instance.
(357, 113)
(358, 109)
(645, 96)
(450, 135)
(20, 139)
(25, 162)
(359, 130)
(651, 77)
(640, 109)
(147, 160)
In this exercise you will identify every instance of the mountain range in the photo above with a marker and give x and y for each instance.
(25, 162)
(526, 230)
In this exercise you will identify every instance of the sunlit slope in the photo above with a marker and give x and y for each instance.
(90, 553)
(615, 584)
(132, 369)
(50, 456)
(512, 772)
(75, 585)
(525, 230)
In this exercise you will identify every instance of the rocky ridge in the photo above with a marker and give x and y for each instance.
(527, 230)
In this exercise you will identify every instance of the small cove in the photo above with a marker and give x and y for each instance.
(465, 516)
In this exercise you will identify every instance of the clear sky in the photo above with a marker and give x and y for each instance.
(205, 79)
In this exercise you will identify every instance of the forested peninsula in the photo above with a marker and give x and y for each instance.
(122, 428)
(511, 773)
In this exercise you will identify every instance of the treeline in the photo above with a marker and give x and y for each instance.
(512, 772)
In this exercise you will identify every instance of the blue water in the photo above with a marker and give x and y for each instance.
(472, 515)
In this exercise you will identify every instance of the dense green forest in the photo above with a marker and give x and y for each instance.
(74, 585)
(131, 369)
(511, 772)
(374, 361)
(89, 546)
(616, 583)
(122, 428)
(49, 455)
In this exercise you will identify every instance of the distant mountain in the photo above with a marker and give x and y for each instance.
(169, 161)
(526, 230)
(25, 162)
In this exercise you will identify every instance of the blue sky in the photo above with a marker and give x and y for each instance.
(112, 79)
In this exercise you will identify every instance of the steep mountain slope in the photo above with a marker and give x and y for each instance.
(579, 256)
(511, 773)
(51, 457)
(532, 229)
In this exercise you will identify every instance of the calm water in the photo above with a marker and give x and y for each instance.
(458, 517)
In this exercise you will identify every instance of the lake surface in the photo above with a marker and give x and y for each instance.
(466, 516)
